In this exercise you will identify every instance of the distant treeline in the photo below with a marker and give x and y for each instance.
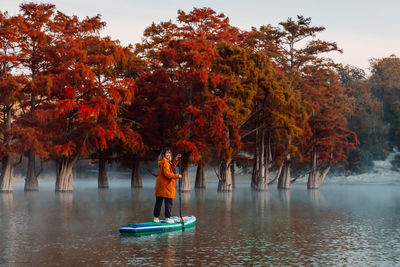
(267, 98)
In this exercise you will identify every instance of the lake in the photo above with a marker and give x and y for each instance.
(339, 224)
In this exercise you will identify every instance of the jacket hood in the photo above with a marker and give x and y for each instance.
(160, 162)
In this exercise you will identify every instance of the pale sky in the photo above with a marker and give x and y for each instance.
(364, 29)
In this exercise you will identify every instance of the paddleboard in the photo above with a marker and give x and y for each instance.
(148, 228)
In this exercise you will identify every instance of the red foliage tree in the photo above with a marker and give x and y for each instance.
(325, 140)
(81, 113)
(155, 113)
(184, 53)
(11, 85)
(114, 63)
(35, 37)
(201, 31)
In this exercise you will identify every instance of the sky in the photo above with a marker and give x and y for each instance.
(364, 29)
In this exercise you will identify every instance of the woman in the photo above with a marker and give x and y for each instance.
(165, 184)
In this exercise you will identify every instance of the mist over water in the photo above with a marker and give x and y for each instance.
(348, 221)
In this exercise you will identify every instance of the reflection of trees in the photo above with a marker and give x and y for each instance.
(65, 204)
(261, 201)
(316, 197)
(284, 197)
(200, 194)
(136, 193)
(171, 251)
(10, 234)
(102, 194)
(65, 201)
(185, 199)
(7, 201)
(226, 198)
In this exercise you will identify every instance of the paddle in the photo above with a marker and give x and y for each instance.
(180, 198)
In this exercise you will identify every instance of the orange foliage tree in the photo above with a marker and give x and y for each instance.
(81, 113)
(263, 100)
(326, 140)
(112, 64)
(11, 85)
(155, 112)
(184, 52)
(35, 37)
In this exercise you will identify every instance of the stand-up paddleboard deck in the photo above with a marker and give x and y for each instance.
(148, 228)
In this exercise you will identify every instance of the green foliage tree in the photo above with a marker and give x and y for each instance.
(367, 120)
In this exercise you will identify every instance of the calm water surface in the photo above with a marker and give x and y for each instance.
(352, 225)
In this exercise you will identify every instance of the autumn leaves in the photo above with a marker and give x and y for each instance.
(213, 92)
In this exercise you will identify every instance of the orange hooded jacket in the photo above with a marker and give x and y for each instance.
(165, 184)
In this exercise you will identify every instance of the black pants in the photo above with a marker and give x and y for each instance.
(167, 204)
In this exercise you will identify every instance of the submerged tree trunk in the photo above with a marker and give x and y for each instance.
(254, 174)
(7, 167)
(284, 179)
(136, 178)
(315, 178)
(31, 181)
(102, 178)
(255, 177)
(233, 173)
(7, 172)
(185, 182)
(278, 174)
(263, 165)
(64, 178)
(224, 176)
(200, 179)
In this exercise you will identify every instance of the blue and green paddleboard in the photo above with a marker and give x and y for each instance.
(148, 228)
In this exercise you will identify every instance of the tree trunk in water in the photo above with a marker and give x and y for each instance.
(315, 178)
(7, 172)
(233, 173)
(224, 177)
(31, 181)
(185, 183)
(64, 179)
(7, 167)
(102, 178)
(200, 179)
(284, 179)
(278, 174)
(136, 178)
(254, 174)
(264, 164)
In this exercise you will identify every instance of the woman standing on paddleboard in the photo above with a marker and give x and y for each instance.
(165, 184)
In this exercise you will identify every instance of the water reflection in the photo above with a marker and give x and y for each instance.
(226, 199)
(8, 229)
(336, 225)
(136, 193)
(262, 201)
(185, 198)
(102, 194)
(64, 199)
(316, 197)
(284, 197)
(7, 199)
(200, 194)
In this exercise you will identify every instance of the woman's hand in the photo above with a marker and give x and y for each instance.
(178, 156)
(180, 176)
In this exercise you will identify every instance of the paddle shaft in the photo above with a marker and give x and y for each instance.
(180, 198)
